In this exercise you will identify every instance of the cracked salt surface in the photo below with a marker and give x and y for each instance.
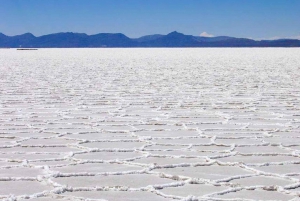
(150, 124)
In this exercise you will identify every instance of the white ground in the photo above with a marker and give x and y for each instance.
(150, 124)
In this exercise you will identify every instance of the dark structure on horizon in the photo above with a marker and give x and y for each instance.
(173, 39)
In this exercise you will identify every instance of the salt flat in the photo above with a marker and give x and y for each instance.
(150, 124)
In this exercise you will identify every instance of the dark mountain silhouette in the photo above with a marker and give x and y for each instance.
(281, 43)
(173, 39)
(110, 40)
(68, 39)
(148, 38)
(16, 41)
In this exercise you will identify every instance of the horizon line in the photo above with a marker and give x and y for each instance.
(212, 36)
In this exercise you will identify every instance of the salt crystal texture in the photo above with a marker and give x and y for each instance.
(150, 124)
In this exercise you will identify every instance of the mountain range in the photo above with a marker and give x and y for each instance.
(173, 39)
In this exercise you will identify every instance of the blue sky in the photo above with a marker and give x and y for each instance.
(241, 18)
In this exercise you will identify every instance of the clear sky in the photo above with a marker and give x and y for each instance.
(241, 18)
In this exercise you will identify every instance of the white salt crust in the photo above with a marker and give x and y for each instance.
(150, 124)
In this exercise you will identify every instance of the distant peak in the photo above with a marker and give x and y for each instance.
(119, 34)
(174, 32)
(28, 34)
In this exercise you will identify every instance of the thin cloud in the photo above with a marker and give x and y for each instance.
(297, 37)
(205, 34)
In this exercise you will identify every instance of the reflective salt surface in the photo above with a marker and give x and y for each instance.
(150, 124)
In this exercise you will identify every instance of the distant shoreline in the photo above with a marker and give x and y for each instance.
(40, 48)
(27, 49)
